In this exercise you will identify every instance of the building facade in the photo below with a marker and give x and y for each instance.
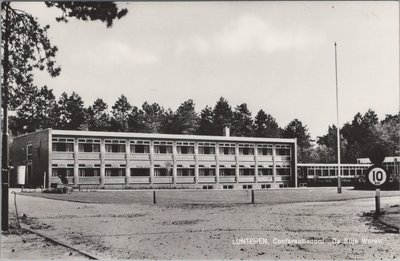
(144, 160)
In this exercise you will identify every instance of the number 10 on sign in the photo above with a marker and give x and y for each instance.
(377, 176)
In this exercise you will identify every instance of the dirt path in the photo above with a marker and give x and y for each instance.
(137, 231)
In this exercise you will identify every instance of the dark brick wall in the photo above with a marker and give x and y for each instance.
(40, 155)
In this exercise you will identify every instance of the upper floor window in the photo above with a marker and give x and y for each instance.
(88, 145)
(140, 146)
(246, 151)
(162, 149)
(63, 144)
(206, 148)
(282, 150)
(264, 151)
(227, 149)
(115, 146)
(185, 149)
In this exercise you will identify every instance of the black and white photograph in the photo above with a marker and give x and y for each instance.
(200, 130)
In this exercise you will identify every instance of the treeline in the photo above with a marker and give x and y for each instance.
(37, 108)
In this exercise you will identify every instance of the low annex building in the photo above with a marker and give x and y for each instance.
(148, 160)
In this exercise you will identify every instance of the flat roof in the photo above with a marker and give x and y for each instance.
(155, 136)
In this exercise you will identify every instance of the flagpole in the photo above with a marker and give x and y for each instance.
(339, 181)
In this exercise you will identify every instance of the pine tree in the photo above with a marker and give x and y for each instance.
(242, 122)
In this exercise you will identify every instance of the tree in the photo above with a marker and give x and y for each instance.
(242, 122)
(98, 118)
(70, 112)
(266, 126)
(35, 110)
(186, 120)
(26, 45)
(206, 125)
(388, 133)
(151, 117)
(295, 129)
(223, 116)
(168, 123)
(360, 136)
(120, 112)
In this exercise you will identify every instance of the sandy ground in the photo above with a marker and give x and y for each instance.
(19, 244)
(214, 231)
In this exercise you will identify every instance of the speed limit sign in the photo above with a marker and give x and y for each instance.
(377, 176)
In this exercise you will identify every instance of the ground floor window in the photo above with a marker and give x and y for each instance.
(115, 172)
(247, 186)
(206, 172)
(162, 172)
(265, 186)
(283, 171)
(65, 172)
(227, 186)
(89, 172)
(246, 172)
(185, 172)
(265, 172)
(227, 172)
(140, 172)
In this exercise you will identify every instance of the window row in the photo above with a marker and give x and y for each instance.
(160, 172)
(163, 149)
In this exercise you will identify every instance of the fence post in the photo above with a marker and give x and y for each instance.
(154, 197)
(378, 202)
(252, 196)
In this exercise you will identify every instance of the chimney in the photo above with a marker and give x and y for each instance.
(226, 132)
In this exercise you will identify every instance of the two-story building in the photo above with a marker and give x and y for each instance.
(147, 160)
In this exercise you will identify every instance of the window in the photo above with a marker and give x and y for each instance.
(284, 171)
(140, 149)
(227, 186)
(63, 144)
(162, 149)
(265, 186)
(29, 152)
(115, 172)
(264, 151)
(66, 147)
(162, 172)
(140, 172)
(89, 172)
(283, 152)
(64, 172)
(206, 150)
(185, 172)
(246, 151)
(247, 186)
(265, 172)
(208, 187)
(206, 172)
(185, 149)
(227, 172)
(88, 145)
(227, 151)
(246, 172)
(115, 148)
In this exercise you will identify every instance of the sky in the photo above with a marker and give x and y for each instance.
(275, 56)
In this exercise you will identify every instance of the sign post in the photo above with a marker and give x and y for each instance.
(378, 202)
(377, 177)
